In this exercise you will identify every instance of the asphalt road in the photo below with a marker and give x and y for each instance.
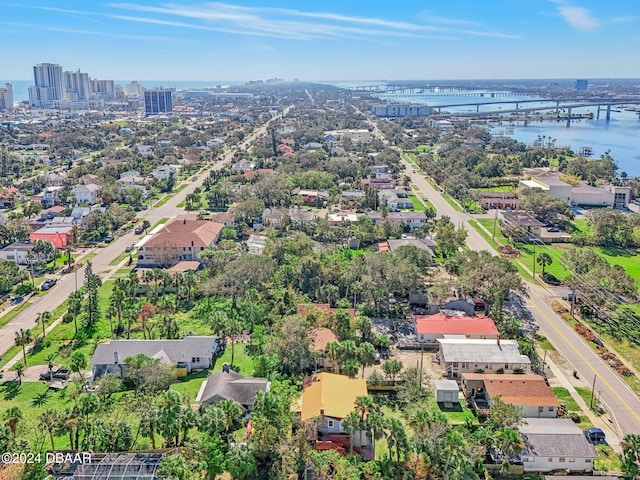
(100, 263)
(616, 395)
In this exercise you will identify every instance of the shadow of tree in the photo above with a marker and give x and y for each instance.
(40, 399)
(11, 389)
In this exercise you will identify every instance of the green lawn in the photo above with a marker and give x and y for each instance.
(455, 205)
(457, 415)
(32, 398)
(418, 206)
(116, 261)
(608, 460)
(501, 188)
(164, 200)
(424, 148)
(565, 397)
(159, 222)
(242, 362)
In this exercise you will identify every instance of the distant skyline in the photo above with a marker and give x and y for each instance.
(329, 40)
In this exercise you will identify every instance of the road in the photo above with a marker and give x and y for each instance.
(100, 263)
(615, 394)
(620, 400)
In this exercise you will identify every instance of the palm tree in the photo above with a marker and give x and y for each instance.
(24, 338)
(631, 455)
(332, 349)
(352, 424)
(13, 417)
(51, 421)
(19, 366)
(375, 424)
(509, 443)
(43, 318)
(544, 259)
(366, 355)
(50, 364)
(396, 437)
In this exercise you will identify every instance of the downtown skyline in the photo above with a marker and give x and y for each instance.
(335, 41)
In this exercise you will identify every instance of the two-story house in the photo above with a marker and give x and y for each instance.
(86, 194)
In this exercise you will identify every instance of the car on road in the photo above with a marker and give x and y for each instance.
(48, 283)
(129, 248)
(138, 230)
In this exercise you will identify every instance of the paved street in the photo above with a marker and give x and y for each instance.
(67, 284)
(620, 400)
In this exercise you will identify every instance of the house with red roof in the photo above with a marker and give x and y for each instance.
(430, 328)
(181, 239)
(10, 197)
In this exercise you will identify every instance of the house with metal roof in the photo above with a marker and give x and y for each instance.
(429, 328)
(466, 355)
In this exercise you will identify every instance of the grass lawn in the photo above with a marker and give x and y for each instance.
(585, 393)
(190, 385)
(159, 222)
(242, 362)
(418, 206)
(32, 398)
(424, 148)
(457, 415)
(181, 204)
(452, 202)
(608, 460)
(6, 318)
(565, 397)
(164, 200)
(116, 261)
(501, 188)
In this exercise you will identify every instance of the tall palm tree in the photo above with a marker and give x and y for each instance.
(396, 438)
(352, 424)
(50, 364)
(23, 338)
(509, 443)
(19, 366)
(51, 420)
(544, 259)
(13, 416)
(43, 318)
(331, 350)
(366, 355)
(376, 424)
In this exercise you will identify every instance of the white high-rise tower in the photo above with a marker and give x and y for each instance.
(48, 84)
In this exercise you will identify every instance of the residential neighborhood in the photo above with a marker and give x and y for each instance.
(293, 280)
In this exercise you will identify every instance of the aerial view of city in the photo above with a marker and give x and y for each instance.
(348, 240)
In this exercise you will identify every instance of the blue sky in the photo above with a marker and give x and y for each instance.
(328, 40)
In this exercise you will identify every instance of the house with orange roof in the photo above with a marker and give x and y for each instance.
(530, 393)
(320, 338)
(429, 328)
(327, 399)
(181, 239)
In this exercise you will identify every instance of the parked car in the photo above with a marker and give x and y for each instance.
(108, 239)
(48, 283)
(129, 248)
(138, 230)
(553, 229)
(595, 436)
(17, 300)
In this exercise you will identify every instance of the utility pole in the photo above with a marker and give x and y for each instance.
(593, 388)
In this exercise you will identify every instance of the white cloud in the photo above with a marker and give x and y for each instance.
(579, 18)
(286, 23)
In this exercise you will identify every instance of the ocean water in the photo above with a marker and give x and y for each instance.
(620, 136)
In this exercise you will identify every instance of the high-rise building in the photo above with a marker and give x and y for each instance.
(102, 88)
(158, 100)
(6, 97)
(581, 85)
(76, 86)
(48, 84)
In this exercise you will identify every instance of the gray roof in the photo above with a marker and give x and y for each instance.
(174, 350)
(552, 180)
(408, 215)
(421, 243)
(232, 386)
(19, 246)
(446, 385)
(481, 351)
(557, 445)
